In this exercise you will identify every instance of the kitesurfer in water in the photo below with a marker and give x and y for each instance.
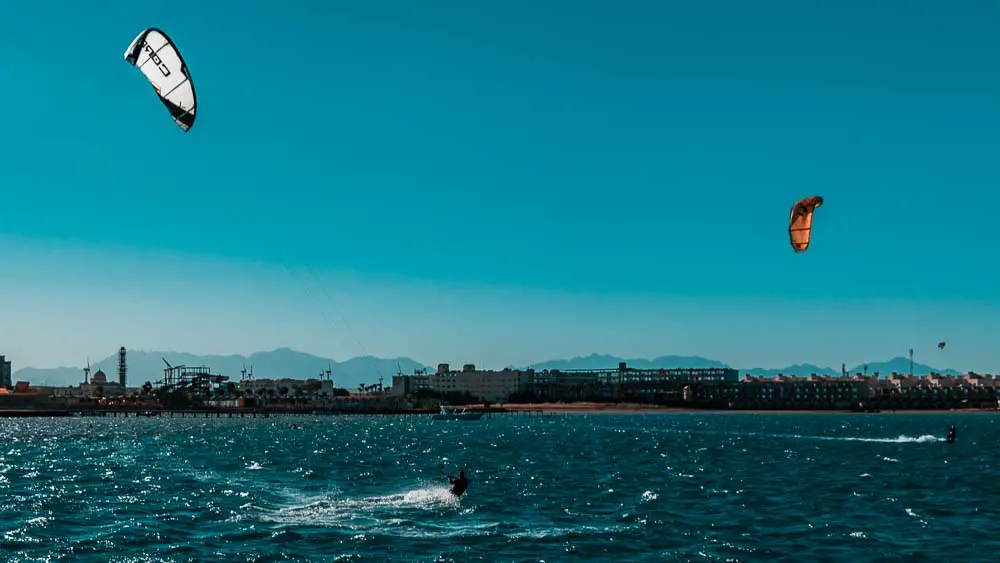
(951, 434)
(458, 484)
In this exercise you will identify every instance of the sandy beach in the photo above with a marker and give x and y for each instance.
(630, 408)
(635, 408)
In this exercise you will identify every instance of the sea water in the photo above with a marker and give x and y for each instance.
(600, 487)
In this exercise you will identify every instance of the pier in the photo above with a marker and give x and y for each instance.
(202, 413)
(493, 412)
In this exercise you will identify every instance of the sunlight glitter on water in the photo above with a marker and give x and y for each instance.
(595, 488)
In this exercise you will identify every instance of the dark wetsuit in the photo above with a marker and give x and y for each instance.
(458, 484)
(951, 435)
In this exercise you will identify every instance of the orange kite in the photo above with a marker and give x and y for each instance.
(800, 224)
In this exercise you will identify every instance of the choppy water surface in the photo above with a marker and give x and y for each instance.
(646, 487)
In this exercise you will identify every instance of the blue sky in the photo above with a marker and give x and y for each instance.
(505, 182)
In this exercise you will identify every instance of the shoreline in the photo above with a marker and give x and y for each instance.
(511, 409)
(635, 408)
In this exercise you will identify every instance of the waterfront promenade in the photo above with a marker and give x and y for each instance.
(201, 412)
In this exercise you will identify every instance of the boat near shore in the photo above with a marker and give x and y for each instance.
(457, 413)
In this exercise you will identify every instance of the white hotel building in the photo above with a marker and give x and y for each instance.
(487, 385)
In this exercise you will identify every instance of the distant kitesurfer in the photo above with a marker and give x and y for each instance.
(951, 434)
(458, 484)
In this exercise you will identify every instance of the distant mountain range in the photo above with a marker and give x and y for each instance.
(148, 366)
(598, 361)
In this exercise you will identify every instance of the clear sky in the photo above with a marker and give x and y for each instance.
(505, 182)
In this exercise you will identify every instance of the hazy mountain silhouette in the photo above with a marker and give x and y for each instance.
(603, 361)
(148, 366)
(797, 369)
(898, 365)
(283, 362)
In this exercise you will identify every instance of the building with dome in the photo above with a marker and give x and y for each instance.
(99, 386)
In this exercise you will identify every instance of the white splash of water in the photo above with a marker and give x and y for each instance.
(343, 511)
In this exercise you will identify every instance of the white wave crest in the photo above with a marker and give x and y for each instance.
(901, 439)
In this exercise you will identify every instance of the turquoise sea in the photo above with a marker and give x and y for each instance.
(601, 487)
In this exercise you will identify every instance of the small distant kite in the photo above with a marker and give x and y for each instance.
(156, 56)
(800, 223)
(941, 345)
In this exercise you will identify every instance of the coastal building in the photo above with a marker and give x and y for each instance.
(623, 383)
(894, 391)
(559, 385)
(938, 391)
(485, 385)
(5, 373)
(287, 387)
(21, 395)
(708, 388)
(809, 392)
(99, 386)
(408, 385)
(96, 385)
